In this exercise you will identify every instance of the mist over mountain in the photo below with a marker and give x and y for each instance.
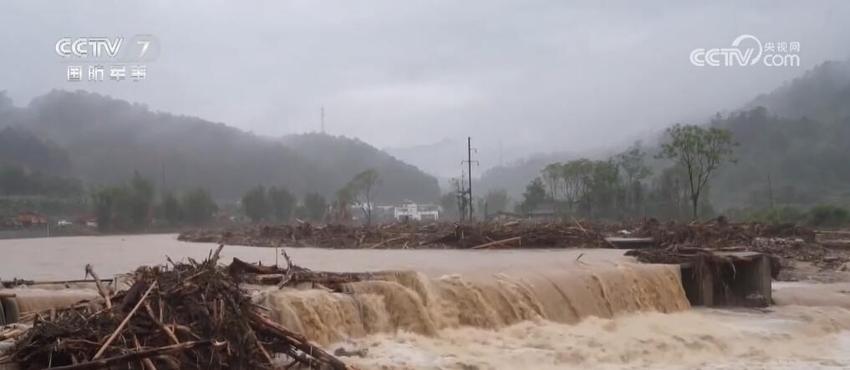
(822, 93)
(21, 147)
(441, 158)
(793, 143)
(341, 158)
(107, 139)
(792, 147)
(514, 176)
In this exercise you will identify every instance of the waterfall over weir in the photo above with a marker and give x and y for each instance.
(414, 302)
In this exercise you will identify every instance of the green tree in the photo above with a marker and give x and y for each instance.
(496, 201)
(828, 215)
(633, 163)
(255, 204)
(553, 177)
(102, 203)
(361, 188)
(449, 206)
(314, 206)
(461, 199)
(198, 206)
(535, 195)
(141, 193)
(282, 203)
(344, 198)
(576, 177)
(700, 151)
(171, 210)
(603, 186)
(669, 197)
(124, 207)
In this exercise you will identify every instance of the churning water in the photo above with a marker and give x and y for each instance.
(516, 309)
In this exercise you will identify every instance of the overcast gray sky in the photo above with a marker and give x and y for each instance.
(535, 75)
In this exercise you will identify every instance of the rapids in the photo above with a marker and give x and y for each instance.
(414, 302)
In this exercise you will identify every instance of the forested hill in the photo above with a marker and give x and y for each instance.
(23, 148)
(794, 147)
(821, 94)
(107, 139)
(343, 157)
(513, 177)
(793, 144)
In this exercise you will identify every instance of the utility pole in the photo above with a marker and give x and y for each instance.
(469, 162)
(461, 196)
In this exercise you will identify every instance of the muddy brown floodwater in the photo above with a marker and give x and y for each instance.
(513, 309)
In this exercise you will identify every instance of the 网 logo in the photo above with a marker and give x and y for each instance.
(748, 50)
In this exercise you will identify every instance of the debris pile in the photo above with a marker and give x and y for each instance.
(678, 242)
(189, 315)
(719, 233)
(658, 242)
(409, 235)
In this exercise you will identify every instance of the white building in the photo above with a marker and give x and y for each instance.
(416, 212)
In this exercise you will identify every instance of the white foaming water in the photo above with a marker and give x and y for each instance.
(790, 337)
(516, 309)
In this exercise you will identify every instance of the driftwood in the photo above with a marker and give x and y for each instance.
(191, 316)
(123, 323)
(297, 341)
(100, 289)
(139, 355)
(498, 243)
(404, 235)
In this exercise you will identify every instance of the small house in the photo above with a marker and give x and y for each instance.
(28, 218)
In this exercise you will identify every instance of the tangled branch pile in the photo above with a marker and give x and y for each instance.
(188, 316)
(719, 233)
(787, 241)
(403, 235)
(677, 243)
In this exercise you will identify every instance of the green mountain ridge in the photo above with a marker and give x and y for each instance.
(107, 139)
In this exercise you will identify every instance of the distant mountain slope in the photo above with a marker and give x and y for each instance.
(107, 139)
(513, 177)
(794, 143)
(822, 93)
(796, 161)
(23, 148)
(344, 157)
(794, 147)
(441, 158)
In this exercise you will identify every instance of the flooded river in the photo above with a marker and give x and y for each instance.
(540, 309)
(63, 258)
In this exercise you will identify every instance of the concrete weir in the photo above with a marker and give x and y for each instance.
(729, 279)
